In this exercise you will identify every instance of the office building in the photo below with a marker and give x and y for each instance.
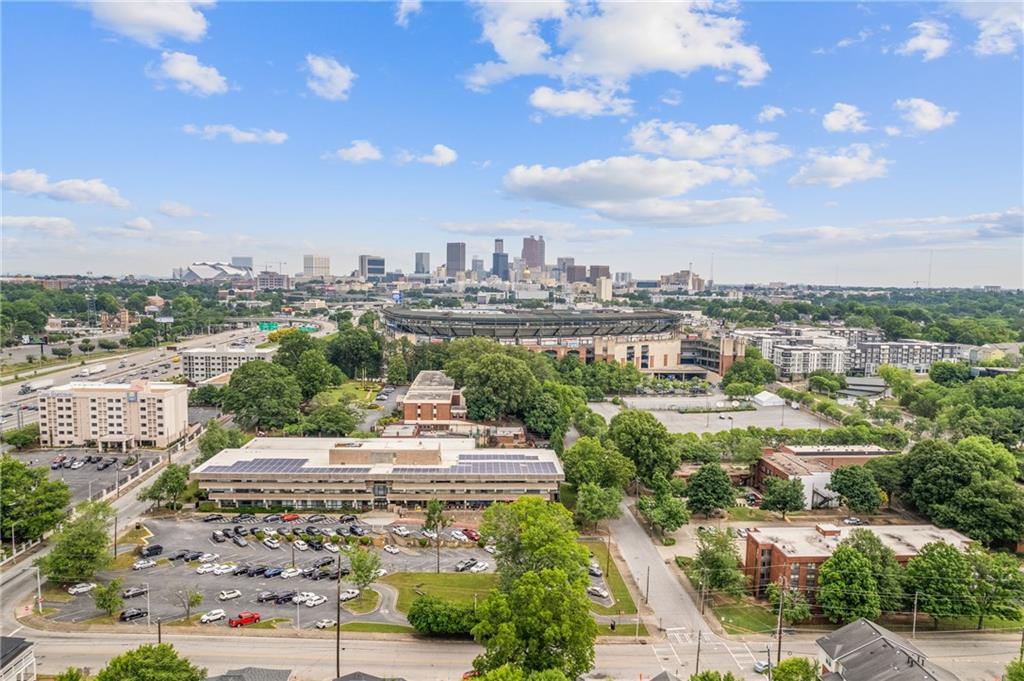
(478, 267)
(242, 261)
(715, 353)
(202, 364)
(17, 659)
(533, 252)
(813, 474)
(499, 264)
(316, 266)
(563, 264)
(433, 402)
(273, 281)
(598, 271)
(796, 553)
(623, 278)
(499, 245)
(381, 473)
(113, 415)
(865, 651)
(371, 268)
(422, 263)
(603, 290)
(455, 261)
(576, 273)
(685, 281)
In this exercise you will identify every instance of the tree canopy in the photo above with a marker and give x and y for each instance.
(263, 395)
(645, 441)
(30, 503)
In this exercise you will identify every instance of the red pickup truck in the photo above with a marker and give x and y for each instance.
(244, 617)
(473, 535)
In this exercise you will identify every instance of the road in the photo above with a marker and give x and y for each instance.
(371, 416)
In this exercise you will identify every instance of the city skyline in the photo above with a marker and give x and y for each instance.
(348, 129)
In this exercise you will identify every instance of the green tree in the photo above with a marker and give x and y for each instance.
(434, 616)
(898, 380)
(510, 673)
(263, 395)
(398, 371)
(846, 587)
(217, 438)
(541, 622)
(711, 674)
(997, 585)
(594, 503)
(364, 566)
(81, 546)
(151, 663)
(589, 460)
(498, 386)
(332, 419)
(757, 372)
(356, 351)
(368, 319)
(857, 487)
(886, 571)
(107, 597)
(291, 347)
(717, 565)
(315, 374)
(796, 669)
(436, 521)
(1015, 671)
(22, 438)
(189, 598)
(940, 576)
(108, 344)
(886, 470)
(532, 534)
(170, 485)
(784, 496)
(204, 396)
(86, 346)
(30, 503)
(645, 441)
(62, 353)
(794, 606)
(949, 373)
(71, 674)
(709, 490)
(741, 389)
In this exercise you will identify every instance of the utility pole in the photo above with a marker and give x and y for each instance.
(337, 626)
(768, 649)
(159, 631)
(913, 629)
(115, 535)
(696, 667)
(782, 600)
(647, 591)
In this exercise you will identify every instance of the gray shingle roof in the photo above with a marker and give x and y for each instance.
(866, 651)
(253, 674)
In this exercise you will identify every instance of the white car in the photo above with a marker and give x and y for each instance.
(290, 572)
(271, 543)
(490, 548)
(208, 558)
(380, 573)
(430, 534)
(303, 596)
(76, 465)
(391, 548)
(143, 564)
(206, 568)
(458, 536)
(212, 616)
(81, 588)
(270, 531)
(479, 567)
(325, 624)
(224, 569)
(331, 547)
(315, 601)
(597, 591)
(229, 594)
(402, 531)
(348, 595)
(300, 545)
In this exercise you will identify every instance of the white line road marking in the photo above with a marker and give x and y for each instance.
(750, 652)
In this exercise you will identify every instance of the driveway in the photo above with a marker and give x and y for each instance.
(371, 416)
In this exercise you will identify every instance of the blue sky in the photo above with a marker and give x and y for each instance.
(806, 142)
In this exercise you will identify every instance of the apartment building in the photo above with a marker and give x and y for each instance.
(381, 473)
(433, 402)
(915, 355)
(273, 281)
(794, 554)
(201, 364)
(372, 268)
(113, 415)
(316, 266)
(797, 361)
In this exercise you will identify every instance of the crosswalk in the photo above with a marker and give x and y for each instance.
(677, 653)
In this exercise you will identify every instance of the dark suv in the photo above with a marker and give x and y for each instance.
(132, 614)
(464, 565)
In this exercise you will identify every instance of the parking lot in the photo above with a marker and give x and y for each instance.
(663, 409)
(88, 479)
(168, 578)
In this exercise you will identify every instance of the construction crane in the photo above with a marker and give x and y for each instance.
(280, 265)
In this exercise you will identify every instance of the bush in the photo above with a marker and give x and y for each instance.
(23, 438)
(206, 506)
(436, 617)
(422, 541)
(617, 400)
(365, 541)
(668, 541)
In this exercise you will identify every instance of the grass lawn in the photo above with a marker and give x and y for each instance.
(56, 594)
(353, 391)
(47, 612)
(739, 617)
(365, 602)
(460, 587)
(100, 619)
(748, 513)
(621, 629)
(134, 536)
(268, 624)
(192, 621)
(377, 627)
(623, 601)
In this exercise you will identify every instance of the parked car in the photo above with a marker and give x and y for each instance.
(271, 543)
(206, 568)
(316, 545)
(320, 562)
(151, 550)
(347, 519)
(243, 618)
(465, 564)
(256, 570)
(266, 596)
(381, 572)
(316, 518)
(290, 572)
(143, 564)
(132, 614)
(208, 557)
(325, 624)
(76, 465)
(429, 534)
(193, 556)
(458, 535)
(213, 518)
(239, 541)
(472, 535)
(597, 591)
(290, 517)
(595, 571)
(241, 570)
(479, 567)
(243, 517)
(240, 531)
(391, 548)
(491, 549)
(225, 569)
(229, 594)
(81, 588)
(285, 597)
(135, 591)
(218, 536)
(300, 545)
(348, 595)
(315, 601)
(331, 547)
(212, 616)
(228, 532)
(273, 518)
(401, 531)
(761, 667)
(303, 596)
(273, 571)
(357, 531)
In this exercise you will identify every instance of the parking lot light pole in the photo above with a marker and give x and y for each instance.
(337, 625)
(149, 623)
(39, 588)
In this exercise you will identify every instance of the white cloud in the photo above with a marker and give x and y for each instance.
(237, 135)
(175, 209)
(861, 36)
(139, 224)
(893, 131)
(923, 115)
(130, 229)
(769, 113)
(722, 143)
(845, 118)
(854, 163)
(601, 46)
(405, 9)
(583, 103)
(552, 229)
(931, 40)
(329, 79)
(48, 226)
(189, 75)
(1000, 25)
(359, 151)
(439, 156)
(637, 189)
(150, 22)
(34, 183)
(672, 97)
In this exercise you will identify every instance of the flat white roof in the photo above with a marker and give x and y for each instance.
(904, 540)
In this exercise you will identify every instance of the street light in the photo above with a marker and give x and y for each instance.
(39, 588)
(148, 622)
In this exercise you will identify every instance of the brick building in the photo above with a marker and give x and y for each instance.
(433, 402)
